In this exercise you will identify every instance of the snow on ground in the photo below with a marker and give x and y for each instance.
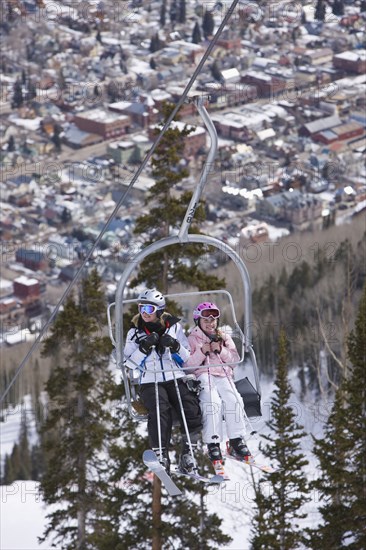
(22, 517)
(22, 512)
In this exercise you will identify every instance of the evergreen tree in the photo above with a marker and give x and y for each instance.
(166, 266)
(208, 24)
(338, 7)
(152, 63)
(342, 451)
(173, 12)
(275, 521)
(196, 34)
(158, 270)
(56, 137)
(155, 43)
(166, 523)
(8, 475)
(320, 10)
(18, 98)
(163, 13)
(182, 13)
(19, 464)
(79, 426)
(25, 466)
(66, 216)
(215, 71)
(11, 144)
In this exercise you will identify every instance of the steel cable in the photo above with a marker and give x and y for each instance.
(122, 199)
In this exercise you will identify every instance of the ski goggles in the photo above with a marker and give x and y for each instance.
(147, 308)
(209, 314)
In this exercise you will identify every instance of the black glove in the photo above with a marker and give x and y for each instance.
(193, 385)
(147, 343)
(167, 341)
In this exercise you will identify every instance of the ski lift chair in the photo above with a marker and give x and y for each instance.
(246, 371)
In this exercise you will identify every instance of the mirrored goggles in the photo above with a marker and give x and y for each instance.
(147, 308)
(209, 313)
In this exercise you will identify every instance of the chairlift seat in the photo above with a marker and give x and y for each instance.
(250, 396)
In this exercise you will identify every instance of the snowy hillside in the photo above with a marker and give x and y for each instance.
(22, 513)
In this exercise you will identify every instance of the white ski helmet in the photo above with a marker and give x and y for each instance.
(152, 296)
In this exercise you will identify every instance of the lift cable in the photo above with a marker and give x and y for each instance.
(121, 201)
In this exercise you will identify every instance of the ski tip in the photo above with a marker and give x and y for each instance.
(149, 455)
(219, 479)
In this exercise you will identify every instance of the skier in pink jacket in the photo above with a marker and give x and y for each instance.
(214, 354)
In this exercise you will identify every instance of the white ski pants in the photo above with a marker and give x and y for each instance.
(219, 399)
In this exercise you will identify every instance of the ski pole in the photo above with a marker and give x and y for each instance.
(210, 390)
(183, 414)
(157, 406)
(237, 397)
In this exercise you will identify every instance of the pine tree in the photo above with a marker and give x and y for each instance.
(182, 13)
(338, 7)
(275, 521)
(173, 12)
(208, 24)
(18, 98)
(11, 144)
(56, 137)
(160, 269)
(163, 13)
(184, 522)
(155, 43)
(79, 426)
(196, 34)
(342, 451)
(215, 71)
(320, 10)
(165, 267)
(25, 466)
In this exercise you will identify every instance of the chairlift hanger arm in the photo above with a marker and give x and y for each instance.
(189, 215)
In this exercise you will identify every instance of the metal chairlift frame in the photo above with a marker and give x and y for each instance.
(251, 394)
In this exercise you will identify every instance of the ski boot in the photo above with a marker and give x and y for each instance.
(163, 457)
(214, 454)
(186, 462)
(238, 449)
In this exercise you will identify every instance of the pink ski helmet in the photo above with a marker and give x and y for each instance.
(199, 311)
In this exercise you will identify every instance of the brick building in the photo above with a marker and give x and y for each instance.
(103, 123)
(193, 143)
(342, 132)
(26, 289)
(265, 84)
(351, 61)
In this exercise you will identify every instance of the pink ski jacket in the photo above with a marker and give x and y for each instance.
(228, 354)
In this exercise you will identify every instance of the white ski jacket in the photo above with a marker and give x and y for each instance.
(154, 366)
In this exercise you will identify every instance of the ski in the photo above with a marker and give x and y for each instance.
(218, 466)
(213, 479)
(151, 461)
(251, 462)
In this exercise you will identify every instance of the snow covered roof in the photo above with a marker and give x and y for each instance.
(26, 281)
(352, 55)
(322, 124)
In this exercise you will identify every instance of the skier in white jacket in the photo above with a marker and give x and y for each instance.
(157, 346)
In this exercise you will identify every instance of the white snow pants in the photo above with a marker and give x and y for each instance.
(220, 399)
